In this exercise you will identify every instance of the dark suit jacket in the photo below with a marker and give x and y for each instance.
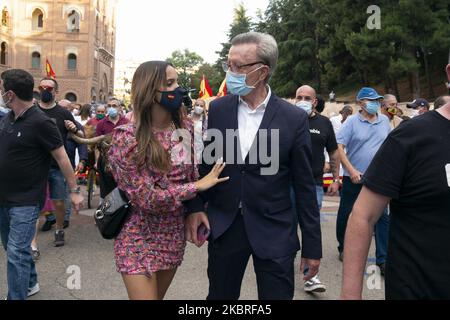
(270, 219)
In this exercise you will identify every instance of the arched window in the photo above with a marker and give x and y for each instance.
(72, 61)
(71, 97)
(5, 17)
(73, 21)
(3, 53)
(35, 60)
(38, 19)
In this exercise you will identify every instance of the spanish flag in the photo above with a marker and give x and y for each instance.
(49, 69)
(205, 89)
(223, 89)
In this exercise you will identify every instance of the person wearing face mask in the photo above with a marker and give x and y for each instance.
(389, 108)
(77, 159)
(411, 171)
(113, 119)
(322, 137)
(151, 244)
(29, 142)
(65, 121)
(200, 120)
(251, 215)
(419, 107)
(3, 109)
(359, 140)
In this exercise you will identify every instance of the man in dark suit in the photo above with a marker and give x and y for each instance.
(251, 214)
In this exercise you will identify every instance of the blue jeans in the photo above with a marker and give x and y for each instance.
(349, 194)
(59, 190)
(17, 229)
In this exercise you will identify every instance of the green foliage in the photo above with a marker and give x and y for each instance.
(186, 63)
(326, 43)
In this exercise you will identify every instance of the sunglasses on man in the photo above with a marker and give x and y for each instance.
(46, 88)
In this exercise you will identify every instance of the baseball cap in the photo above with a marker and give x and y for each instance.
(418, 103)
(368, 93)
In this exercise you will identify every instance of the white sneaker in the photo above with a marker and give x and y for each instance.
(314, 285)
(34, 290)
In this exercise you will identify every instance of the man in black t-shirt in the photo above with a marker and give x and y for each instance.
(65, 122)
(412, 171)
(322, 137)
(29, 141)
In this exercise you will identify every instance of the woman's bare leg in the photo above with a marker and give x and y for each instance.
(140, 287)
(164, 280)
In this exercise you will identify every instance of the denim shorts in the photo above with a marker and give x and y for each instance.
(57, 185)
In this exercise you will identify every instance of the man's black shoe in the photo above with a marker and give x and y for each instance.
(47, 226)
(66, 224)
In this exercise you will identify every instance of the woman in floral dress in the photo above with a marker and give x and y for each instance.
(157, 175)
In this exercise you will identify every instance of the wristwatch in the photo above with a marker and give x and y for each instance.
(76, 190)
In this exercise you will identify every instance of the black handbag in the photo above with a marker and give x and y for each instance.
(111, 214)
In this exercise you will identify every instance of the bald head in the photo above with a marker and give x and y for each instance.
(306, 93)
(306, 90)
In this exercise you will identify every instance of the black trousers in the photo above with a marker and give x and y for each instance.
(228, 257)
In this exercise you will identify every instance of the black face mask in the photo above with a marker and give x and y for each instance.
(172, 100)
(46, 96)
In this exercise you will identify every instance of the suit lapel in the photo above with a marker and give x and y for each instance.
(269, 114)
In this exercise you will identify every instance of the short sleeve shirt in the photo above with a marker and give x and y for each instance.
(25, 156)
(413, 168)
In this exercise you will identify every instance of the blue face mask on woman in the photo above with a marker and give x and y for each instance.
(372, 107)
(237, 83)
(173, 100)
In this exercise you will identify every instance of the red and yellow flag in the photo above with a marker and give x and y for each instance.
(205, 89)
(223, 89)
(49, 70)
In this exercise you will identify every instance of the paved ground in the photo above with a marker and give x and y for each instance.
(86, 250)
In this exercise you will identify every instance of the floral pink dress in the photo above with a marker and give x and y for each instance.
(152, 238)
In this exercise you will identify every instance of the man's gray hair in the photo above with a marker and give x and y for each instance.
(267, 48)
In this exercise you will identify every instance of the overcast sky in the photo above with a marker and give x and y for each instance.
(152, 30)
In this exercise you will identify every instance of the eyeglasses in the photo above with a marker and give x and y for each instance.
(234, 67)
(46, 88)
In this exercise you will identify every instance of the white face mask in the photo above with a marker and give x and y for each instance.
(414, 113)
(3, 106)
(198, 110)
(306, 106)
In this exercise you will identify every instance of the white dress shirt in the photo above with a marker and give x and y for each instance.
(249, 122)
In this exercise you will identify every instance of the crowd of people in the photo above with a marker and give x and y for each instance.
(395, 184)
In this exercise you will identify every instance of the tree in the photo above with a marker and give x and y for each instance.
(214, 77)
(186, 63)
(241, 24)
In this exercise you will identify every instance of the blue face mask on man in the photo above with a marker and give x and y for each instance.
(113, 113)
(237, 83)
(372, 107)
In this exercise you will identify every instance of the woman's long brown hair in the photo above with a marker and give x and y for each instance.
(147, 80)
